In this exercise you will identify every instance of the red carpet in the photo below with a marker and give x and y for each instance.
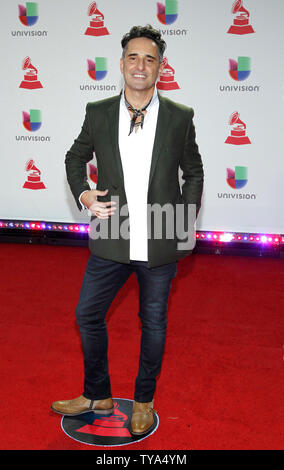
(222, 381)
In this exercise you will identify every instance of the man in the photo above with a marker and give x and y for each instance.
(140, 140)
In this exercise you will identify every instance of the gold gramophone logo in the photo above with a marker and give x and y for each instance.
(241, 21)
(167, 77)
(97, 24)
(238, 131)
(33, 180)
(30, 81)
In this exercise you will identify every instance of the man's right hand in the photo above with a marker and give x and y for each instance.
(102, 210)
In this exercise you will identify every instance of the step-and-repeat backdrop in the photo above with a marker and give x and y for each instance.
(224, 58)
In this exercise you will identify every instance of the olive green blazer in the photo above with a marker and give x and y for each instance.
(174, 148)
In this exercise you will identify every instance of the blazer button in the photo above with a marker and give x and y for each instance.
(114, 186)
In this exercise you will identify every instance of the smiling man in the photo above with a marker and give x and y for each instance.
(140, 66)
(140, 140)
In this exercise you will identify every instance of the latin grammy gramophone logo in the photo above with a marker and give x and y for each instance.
(167, 13)
(96, 27)
(108, 430)
(113, 425)
(34, 177)
(28, 15)
(167, 77)
(238, 131)
(241, 21)
(30, 81)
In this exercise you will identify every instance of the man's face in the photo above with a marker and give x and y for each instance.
(140, 66)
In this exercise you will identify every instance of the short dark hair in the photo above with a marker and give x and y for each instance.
(145, 32)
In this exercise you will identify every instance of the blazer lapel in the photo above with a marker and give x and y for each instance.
(163, 122)
(113, 121)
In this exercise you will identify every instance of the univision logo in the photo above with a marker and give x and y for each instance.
(237, 178)
(168, 12)
(239, 70)
(97, 70)
(28, 16)
(32, 120)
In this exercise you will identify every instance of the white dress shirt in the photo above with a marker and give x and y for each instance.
(136, 156)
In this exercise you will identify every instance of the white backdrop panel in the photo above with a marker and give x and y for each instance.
(198, 49)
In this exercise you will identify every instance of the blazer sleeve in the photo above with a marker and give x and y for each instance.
(192, 168)
(76, 159)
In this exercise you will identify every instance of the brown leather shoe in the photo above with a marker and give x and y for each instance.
(82, 405)
(142, 420)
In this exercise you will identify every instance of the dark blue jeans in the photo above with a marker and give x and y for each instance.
(102, 280)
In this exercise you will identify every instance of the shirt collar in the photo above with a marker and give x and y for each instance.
(154, 100)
